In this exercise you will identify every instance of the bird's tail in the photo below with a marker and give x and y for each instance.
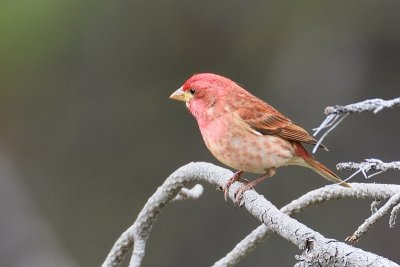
(318, 167)
(325, 172)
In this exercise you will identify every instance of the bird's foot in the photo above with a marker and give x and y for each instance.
(251, 185)
(234, 178)
(239, 193)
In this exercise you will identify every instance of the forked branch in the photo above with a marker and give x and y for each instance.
(371, 221)
(315, 197)
(317, 249)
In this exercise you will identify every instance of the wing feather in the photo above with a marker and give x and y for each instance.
(265, 119)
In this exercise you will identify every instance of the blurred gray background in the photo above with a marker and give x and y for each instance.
(88, 133)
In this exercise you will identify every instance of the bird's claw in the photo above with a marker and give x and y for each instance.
(226, 189)
(240, 192)
(234, 178)
(228, 184)
(226, 192)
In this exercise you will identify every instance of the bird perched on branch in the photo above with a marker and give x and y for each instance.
(244, 132)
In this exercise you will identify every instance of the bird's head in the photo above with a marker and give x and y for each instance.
(204, 93)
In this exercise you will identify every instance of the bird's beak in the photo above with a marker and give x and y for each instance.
(181, 95)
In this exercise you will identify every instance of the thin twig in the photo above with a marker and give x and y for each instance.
(372, 105)
(329, 121)
(369, 165)
(336, 112)
(373, 219)
(189, 194)
(393, 215)
(374, 205)
(327, 132)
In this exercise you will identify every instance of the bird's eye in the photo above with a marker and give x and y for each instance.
(192, 91)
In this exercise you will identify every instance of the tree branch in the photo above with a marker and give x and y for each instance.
(371, 221)
(371, 105)
(368, 165)
(137, 234)
(318, 196)
(336, 114)
(318, 249)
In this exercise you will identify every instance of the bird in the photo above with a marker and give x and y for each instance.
(245, 133)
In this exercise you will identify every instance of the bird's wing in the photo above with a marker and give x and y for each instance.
(266, 120)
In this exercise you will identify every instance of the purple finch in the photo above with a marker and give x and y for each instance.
(244, 132)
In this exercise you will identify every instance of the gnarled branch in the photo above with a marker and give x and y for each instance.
(318, 249)
(318, 196)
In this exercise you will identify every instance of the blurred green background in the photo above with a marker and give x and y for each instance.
(88, 133)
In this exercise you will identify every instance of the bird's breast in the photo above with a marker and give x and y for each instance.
(244, 150)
